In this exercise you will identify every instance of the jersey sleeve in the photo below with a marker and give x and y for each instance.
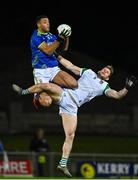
(106, 88)
(82, 71)
(37, 41)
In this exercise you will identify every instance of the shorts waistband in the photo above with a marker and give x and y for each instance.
(45, 67)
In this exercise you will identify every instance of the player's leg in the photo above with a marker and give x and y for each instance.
(55, 75)
(69, 124)
(41, 99)
(53, 90)
(65, 80)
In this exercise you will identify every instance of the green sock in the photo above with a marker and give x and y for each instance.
(25, 91)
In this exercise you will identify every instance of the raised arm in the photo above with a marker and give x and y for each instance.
(66, 44)
(67, 64)
(119, 94)
(50, 48)
(116, 94)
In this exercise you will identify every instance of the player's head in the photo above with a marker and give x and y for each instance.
(106, 72)
(40, 133)
(43, 24)
(42, 99)
(45, 100)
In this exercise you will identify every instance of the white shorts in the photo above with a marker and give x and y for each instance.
(67, 105)
(45, 75)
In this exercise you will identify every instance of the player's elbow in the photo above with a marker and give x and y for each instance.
(48, 52)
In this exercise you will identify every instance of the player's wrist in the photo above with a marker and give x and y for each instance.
(56, 54)
(127, 88)
(60, 39)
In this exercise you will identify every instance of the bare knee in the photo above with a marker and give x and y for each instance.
(73, 84)
(65, 80)
(70, 135)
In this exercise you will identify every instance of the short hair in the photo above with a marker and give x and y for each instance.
(38, 18)
(110, 67)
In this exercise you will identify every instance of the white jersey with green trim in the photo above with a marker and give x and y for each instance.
(89, 86)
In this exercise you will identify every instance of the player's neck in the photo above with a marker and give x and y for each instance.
(100, 77)
(40, 31)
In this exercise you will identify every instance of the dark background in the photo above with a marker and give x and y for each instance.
(105, 32)
(108, 32)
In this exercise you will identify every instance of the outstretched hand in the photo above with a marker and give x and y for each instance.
(64, 34)
(130, 82)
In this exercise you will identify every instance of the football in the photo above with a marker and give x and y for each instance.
(64, 26)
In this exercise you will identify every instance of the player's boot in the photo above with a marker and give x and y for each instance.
(17, 89)
(64, 170)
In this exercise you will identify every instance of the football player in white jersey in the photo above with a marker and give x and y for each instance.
(90, 85)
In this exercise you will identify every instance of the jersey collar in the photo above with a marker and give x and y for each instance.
(40, 33)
